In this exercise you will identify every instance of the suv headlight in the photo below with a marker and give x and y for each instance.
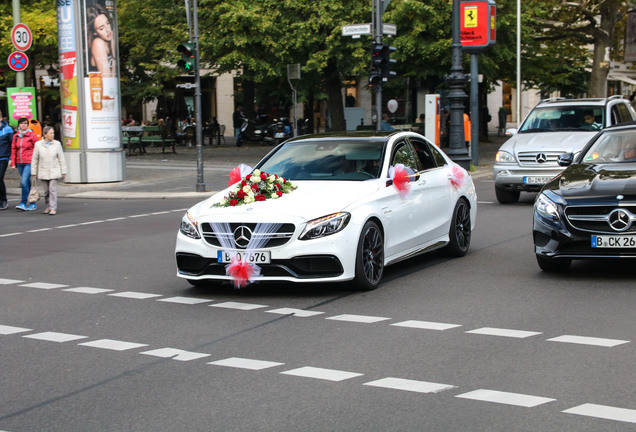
(325, 226)
(504, 157)
(546, 207)
(189, 226)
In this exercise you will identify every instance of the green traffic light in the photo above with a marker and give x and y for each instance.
(187, 56)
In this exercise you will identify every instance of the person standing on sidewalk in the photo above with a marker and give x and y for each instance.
(48, 164)
(6, 136)
(21, 152)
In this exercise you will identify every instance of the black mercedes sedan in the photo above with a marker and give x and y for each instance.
(589, 210)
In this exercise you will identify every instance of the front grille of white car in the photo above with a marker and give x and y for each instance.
(277, 238)
(538, 159)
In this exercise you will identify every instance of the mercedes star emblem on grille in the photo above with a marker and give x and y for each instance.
(242, 236)
(619, 220)
(541, 158)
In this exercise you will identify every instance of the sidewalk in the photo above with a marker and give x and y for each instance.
(174, 175)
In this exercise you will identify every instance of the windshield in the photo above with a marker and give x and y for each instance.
(564, 118)
(619, 146)
(317, 159)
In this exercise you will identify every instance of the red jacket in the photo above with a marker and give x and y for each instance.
(22, 148)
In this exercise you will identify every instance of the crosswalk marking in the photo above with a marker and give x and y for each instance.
(320, 373)
(495, 396)
(358, 318)
(87, 290)
(8, 330)
(244, 363)
(43, 285)
(426, 325)
(604, 412)
(409, 385)
(111, 344)
(9, 281)
(238, 305)
(490, 331)
(134, 295)
(175, 354)
(295, 312)
(184, 300)
(55, 337)
(588, 341)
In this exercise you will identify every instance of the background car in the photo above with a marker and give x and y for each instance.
(351, 214)
(528, 160)
(589, 211)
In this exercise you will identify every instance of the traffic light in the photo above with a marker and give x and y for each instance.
(387, 62)
(187, 56)
(375, 75)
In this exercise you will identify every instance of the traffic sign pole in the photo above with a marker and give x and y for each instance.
(19, 77)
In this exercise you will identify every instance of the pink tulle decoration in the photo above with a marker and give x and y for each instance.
(235, 176)
(241, 272)
(456, 176)
(401, 180)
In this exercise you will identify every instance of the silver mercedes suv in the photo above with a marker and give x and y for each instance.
(528, 160)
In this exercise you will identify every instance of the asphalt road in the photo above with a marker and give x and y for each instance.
(98, 334)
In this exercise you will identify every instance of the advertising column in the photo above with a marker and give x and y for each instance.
(89, 82)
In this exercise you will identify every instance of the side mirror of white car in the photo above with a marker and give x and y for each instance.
(511, 132)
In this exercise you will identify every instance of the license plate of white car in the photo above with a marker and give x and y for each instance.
(254, 257)
(536, 179)
(610, 241)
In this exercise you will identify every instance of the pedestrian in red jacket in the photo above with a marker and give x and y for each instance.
(21, 153)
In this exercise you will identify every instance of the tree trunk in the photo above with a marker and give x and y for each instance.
(603, 35)
(334, 94)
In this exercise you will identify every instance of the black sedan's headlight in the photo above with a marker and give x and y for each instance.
(546, 208)
(189, 226)
(325, 226)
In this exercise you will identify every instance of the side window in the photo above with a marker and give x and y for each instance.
(438, 156)
(623, 113)
(403, 155)
(425, 154)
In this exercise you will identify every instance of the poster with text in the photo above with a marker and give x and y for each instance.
(68, 74)
(21, 102)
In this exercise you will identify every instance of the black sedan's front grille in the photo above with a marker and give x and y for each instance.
(277, 238)
(597, 219)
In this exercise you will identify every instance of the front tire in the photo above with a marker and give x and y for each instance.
(552, 265)
(369, 257)
(460, 231)
(506, 196)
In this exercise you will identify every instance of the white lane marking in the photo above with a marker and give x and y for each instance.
(55, 337)
(358, 318)
(134, 295)
(7, 330)
(495, 396)
(237, 305)
(175, 354)
(426, 325)
(320, 373)
(139, 215)
(66, 226)
(409, 385)
(43, 285)
(604, 412)
(588, 341)
(295, 312)
(491, 331)
(111, 344)
(91, 222)
(115, 219)
(39, 230)
(486, 202)
(184, 300)
(88, 290)
(244, 363)
(10, 281)
(11, 234)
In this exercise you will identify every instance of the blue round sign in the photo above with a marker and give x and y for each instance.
(18, 61)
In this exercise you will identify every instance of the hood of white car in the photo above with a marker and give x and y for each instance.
(310, 200)
(565, 142)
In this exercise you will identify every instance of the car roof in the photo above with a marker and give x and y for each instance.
(350, 136)
(582, 101)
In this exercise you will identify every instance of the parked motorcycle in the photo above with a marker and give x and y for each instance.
(281, 128)
(251, 131)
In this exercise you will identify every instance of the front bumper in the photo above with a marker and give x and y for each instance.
(512, 177)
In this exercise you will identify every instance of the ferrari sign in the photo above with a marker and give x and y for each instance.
(477, 25)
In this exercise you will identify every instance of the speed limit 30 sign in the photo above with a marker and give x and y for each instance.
(21, 37)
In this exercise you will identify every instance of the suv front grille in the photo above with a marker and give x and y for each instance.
(597, 218)
(549, 158)
(273, 239)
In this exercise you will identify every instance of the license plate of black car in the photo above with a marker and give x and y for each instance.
(254, 257)
(614, 241)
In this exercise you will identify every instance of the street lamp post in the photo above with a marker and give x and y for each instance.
(456, 95)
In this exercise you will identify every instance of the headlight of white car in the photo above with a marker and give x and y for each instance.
(325, 226)
(504, 157)
(546, 207)
(189, 226)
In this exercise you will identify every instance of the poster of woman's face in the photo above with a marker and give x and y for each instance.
(100, 39)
